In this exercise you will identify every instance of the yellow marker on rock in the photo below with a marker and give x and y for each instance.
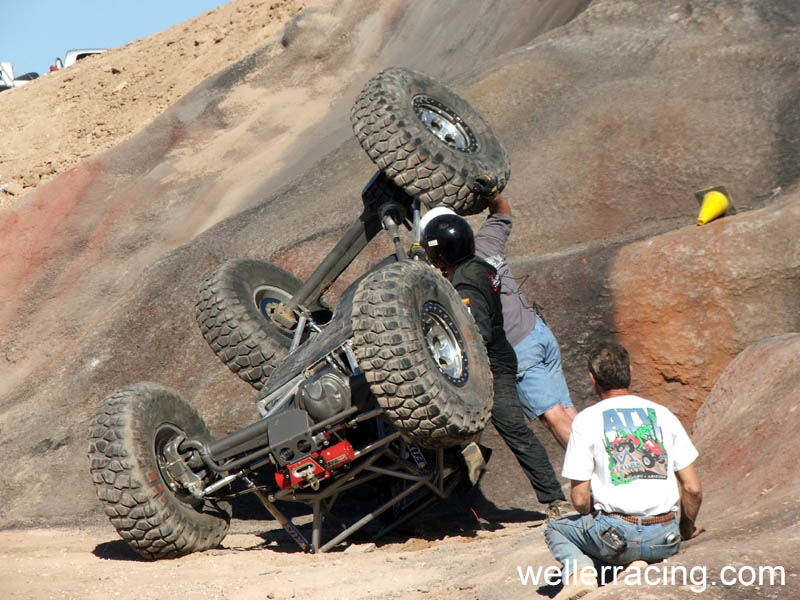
(714, 202)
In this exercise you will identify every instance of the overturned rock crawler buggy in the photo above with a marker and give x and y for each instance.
(375, 394)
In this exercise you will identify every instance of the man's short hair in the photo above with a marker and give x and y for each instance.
(610, 364)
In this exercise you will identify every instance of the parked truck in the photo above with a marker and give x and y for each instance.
(8, 80)
(73, 56)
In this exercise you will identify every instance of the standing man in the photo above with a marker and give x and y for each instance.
(540, 380)
(450, 244)
(541, 384)
(631, 465)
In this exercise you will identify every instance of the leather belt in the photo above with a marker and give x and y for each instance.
(654, 520)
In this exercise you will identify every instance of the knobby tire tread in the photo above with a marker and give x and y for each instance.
(402, 147)
(243, 339)
(144, 511)
(391, 350)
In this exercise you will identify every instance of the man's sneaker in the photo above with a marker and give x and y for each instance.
(558, 509)
(473, 459)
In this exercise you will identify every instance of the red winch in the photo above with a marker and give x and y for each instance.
(316, 467)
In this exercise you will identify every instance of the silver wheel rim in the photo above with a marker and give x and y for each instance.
(445, 344)
(445, 124)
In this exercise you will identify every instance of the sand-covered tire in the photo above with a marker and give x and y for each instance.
(231, 310)
(431, 142)
(126, 438)
(422, 354)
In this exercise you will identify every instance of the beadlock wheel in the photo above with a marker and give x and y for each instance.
(431, 142)
(422, 355)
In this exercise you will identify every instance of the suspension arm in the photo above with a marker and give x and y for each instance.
(354, 241)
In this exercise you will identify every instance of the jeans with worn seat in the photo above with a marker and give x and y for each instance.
(540, 378)
(576, 543)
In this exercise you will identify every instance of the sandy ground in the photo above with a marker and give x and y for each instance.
(67, 116)
(257, 562)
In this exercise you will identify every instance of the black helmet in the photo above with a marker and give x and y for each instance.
(448, 240)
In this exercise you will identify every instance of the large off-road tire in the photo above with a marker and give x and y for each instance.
(231, 311)
(127, 436)
(422, 354)
(431, 142)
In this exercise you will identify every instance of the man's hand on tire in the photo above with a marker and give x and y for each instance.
(485, 186)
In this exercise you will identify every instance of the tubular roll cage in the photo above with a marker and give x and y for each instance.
(240, 454)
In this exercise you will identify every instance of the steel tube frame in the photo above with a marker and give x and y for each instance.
(322, 502)
(355, 239)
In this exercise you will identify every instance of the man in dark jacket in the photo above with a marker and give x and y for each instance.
(541, 385)
(450, 244)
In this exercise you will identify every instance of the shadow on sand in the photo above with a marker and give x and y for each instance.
(458, 516)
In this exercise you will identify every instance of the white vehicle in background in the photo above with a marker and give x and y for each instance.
(73, 56)
(8, 80)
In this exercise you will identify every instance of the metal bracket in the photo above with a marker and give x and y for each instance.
(178, 469)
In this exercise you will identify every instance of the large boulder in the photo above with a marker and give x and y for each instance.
(746, 433)
(684, 303)
(687, 302)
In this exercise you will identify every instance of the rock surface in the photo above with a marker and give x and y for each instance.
(612, 122)
(746, 432)
(687, 302)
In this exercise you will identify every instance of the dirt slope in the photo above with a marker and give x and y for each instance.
(70, 115)
(270, 134)
(612, 122)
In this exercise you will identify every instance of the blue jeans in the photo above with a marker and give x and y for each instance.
(540, 379)
(575, 541)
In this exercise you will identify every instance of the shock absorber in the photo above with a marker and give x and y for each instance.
(392, 214)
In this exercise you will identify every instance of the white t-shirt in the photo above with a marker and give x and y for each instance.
(629, 448)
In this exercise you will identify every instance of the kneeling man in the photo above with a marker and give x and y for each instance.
(630, 462)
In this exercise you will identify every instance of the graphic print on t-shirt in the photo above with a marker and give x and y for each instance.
(635, 445)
